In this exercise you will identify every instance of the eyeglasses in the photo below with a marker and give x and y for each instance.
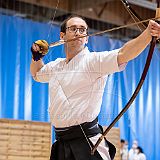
(74, 29)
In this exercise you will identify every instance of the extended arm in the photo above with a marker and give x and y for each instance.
(134, 47)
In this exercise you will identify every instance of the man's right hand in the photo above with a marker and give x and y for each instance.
(39, 49)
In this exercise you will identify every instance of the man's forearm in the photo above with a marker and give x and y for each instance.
(35, 67)
(134, 47)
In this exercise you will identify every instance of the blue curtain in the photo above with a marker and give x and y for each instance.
(22, 98)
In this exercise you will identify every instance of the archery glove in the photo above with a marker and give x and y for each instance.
(40, 50)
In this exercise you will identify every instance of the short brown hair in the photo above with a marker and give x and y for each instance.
(64, 23)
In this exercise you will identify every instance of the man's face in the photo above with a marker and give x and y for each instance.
(75, 27)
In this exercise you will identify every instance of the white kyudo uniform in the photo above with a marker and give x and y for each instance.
(76, 88)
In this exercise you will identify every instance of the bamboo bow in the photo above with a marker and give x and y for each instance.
(143, 76)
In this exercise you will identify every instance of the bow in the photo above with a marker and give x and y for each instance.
(143, 76)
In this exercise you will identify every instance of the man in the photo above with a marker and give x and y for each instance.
(132, 151)
(124, 150)
(76, 85)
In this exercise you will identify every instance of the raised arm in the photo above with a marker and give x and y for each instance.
(134, 47)
(35, 67)
(39, 49)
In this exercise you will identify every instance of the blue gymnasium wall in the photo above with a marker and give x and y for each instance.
(22, 98)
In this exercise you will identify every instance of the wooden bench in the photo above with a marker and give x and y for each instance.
(24, 140)
(114, 137)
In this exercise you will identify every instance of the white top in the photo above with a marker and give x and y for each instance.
(140, 156)
(132, 154)
(76, 88)
(124, 153)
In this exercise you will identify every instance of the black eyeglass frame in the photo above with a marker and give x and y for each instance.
(77, 29)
